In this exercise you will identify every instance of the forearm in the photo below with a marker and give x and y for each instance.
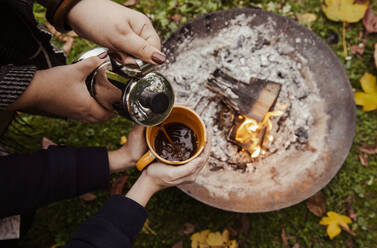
(32, 180)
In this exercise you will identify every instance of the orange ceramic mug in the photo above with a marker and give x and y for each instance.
(179, 114)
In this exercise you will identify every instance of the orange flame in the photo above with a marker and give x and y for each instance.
(257, 135)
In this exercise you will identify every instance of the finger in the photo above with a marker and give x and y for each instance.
(88, 65)
(143, 27)
(140, 48)
(98, 114)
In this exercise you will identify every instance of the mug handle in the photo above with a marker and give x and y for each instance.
(146, 159)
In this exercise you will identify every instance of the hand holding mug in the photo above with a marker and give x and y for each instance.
(159, 176)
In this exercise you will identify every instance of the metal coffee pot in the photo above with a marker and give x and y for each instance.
(137, 92)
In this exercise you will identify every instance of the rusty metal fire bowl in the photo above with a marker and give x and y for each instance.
(310, 140)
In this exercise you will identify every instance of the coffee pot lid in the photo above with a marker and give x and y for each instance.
(149, 99)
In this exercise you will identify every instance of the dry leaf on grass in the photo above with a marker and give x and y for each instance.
(368, 149)
(284, 238)
(176, 18)
(316, 204)
(368, 98)
(357, 50)
(67, 39)
(46, 142)
(335, 223)
(88, 197)
(118, 185)
(130, 3)
(350, 211)
(364, 159)
(307, 19)
(370, 21)
(297, 245)
(68, 45)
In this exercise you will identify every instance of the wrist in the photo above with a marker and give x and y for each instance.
(143, 189)
(120, 160)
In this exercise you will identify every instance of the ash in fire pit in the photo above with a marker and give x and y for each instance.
(244, 53)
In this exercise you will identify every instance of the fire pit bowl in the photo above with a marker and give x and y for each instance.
(311, 139)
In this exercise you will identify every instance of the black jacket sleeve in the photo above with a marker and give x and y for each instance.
(115, 225)
(31, 180)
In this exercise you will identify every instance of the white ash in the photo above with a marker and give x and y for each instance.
(243, 53)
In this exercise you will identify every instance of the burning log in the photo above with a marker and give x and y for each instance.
(253, 100)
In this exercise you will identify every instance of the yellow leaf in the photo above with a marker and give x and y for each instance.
(233, 244)
(215, 239)
(123, 140)
(225, 236)
(367, 99)
(344, 10)
(307, 18)
(368, 83)
(333, 221)
(199, 239)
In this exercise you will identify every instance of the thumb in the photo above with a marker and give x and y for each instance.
(88, 65)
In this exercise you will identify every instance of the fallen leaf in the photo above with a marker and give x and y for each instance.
(68, 45)
(334, 222)
(72, 34)
(188, 228)
(176, 18)
(307, 18)
(199, 238)
(368, 149)
(284, 238)
(316, 204)
(357, 49)
(297, 245)
(368, 98)
(350, 211)
(130, 3)
(46, 142)
(215, 239)
(88, 197)
(123, 140)
(118, 185)
(178, 245)
(364, 159)
(225, 236)
(370, 21)
(233, 244)
(344, 10)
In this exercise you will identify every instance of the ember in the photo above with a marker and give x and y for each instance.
(256, 135)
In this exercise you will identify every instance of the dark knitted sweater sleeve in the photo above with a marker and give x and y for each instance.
(13, 82)
(29, 181)
(116, 225)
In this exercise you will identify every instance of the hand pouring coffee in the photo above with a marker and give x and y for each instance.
(137, 92)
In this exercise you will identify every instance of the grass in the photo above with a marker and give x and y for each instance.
(170, 209)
